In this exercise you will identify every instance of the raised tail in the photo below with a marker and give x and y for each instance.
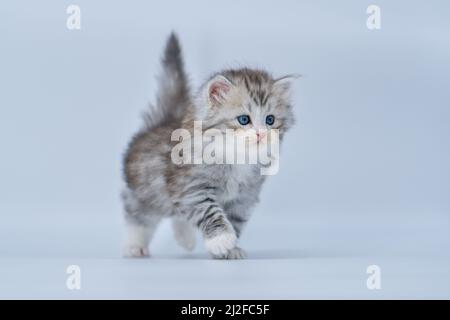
(173, 94)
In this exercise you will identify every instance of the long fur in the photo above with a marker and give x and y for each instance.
(173, 96)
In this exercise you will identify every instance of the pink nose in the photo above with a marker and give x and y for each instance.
(260, 136)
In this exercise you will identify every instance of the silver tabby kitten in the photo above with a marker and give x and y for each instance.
(213, 198)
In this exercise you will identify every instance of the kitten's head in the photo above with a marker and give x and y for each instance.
(245, 99)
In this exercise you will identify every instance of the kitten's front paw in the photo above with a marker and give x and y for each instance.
(221, 244)
(235, 254)
(133, 251)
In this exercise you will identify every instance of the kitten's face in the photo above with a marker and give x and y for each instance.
(247, 100)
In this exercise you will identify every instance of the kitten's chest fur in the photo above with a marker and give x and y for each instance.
(236, 180)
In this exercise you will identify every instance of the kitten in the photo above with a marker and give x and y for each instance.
(214, 198)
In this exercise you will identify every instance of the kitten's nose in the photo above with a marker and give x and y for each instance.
(260, 135)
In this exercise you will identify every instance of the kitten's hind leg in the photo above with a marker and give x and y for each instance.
(184, 232)
(140, 227)
(138, 237)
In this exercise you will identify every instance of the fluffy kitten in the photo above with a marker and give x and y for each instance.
(215, 198)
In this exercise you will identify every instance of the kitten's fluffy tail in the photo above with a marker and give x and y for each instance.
(173, 96)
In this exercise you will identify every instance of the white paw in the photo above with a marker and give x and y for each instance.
(236, 254)
(221, 244)
(133, 251)
(184, 234)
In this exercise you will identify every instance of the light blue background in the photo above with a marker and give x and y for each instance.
(364, 175)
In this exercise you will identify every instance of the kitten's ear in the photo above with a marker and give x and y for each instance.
(283, 84)
(217, 89)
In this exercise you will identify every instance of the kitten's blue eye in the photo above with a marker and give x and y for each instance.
(244, 119)
(270, 119)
